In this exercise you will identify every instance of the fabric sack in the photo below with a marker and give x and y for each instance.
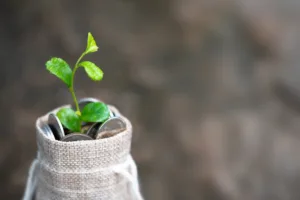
(83, 170)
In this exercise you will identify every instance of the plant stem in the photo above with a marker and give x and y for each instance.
(71, 88)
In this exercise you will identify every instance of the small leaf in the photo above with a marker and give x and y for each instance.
(69, 119)
(91, 44)
(94, 72)
(61, 69)
(95, 112)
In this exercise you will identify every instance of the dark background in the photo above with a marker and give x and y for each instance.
(210, 86)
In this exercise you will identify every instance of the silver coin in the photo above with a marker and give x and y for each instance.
(86, 127)
(93, 130)
(47, 131)
(84, 101)
(76, 137)
(111, 114)
(110, 128)
(56, 126)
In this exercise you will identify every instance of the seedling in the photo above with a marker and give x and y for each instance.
(92, 112)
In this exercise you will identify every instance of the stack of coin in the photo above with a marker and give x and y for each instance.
(55, 131)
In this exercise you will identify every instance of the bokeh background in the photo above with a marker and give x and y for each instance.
(211, 87)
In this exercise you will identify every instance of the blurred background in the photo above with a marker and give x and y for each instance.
(212, 88)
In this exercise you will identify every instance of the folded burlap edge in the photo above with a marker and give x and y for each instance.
(101, 153)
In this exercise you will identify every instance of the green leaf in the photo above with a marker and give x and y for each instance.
(61, 69)
(69, 119)
(95, 112)
(94, 72)
(91, 44)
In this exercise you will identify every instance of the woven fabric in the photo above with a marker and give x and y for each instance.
(86, 170)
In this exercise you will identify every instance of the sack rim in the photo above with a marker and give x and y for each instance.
(43, 119)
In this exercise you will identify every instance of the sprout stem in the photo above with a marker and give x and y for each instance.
(71, 88)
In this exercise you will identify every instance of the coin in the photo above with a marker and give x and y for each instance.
(111, 114)
(85, 128)
(47, 131)
(67, 131)
(56, 126)
(93, 130)
(110, 128)
(76, 137)
(84, 101)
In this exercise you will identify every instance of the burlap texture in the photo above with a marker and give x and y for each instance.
(83, 170)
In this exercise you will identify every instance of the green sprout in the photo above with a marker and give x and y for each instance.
(92, 112)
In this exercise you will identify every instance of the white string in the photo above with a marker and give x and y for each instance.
(128, 170)
(131, 177)
(31, 181)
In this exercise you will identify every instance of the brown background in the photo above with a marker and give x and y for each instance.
(201, 81)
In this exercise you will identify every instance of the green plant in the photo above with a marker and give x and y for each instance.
(92, 112)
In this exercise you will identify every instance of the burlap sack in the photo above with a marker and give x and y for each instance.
(83, 170)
